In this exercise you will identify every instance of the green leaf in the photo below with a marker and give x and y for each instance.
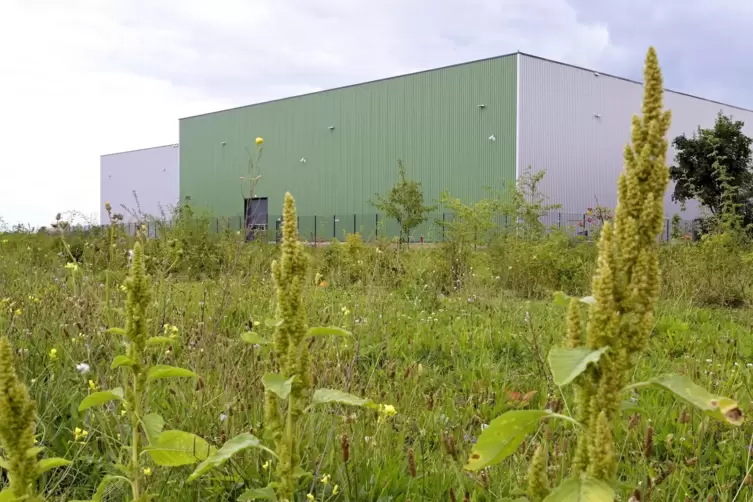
(122, 360)
(254, 338)
(266, 493)
(162, 371)
(174, 448)
(98, 398)
(583, 489)
(158, 340)
(102, 488)
(323, 396)
(589, 300)
(7, 496)
(504, 435)
(277, 384)
(231, 447)
(561, 299)
(719, 407)
(109, 479)
(152, 424)
(46, 464)
(566, 364)
(116, 331)
(272, 323)
(328, 331)
(34, 451)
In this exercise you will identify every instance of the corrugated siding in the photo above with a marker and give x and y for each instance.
(152, 173)
(581, 152)
(431, 120)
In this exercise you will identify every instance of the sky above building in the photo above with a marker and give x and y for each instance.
(82, 78)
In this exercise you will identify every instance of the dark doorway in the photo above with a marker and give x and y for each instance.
(256, 210)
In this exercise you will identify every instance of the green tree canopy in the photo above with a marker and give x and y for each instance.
(404, 203)
(698, 160)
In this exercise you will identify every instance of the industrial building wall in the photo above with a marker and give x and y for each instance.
(575, 123)
(334, 150)
(152, 173)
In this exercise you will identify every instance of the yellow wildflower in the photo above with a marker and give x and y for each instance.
(259, 140)
(92, 385)
(147, 471)
(79, 434)
(325, 479)
(310, 497)
(335, 489)
(53, 354)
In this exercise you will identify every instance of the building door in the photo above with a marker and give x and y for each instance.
(256, 210)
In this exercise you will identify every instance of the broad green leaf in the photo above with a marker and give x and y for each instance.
(158, 340)
(328, 331)
(7, 496)
(323, 396)
(566, 364)
(266, 493)
(272, 323)
(174, 448)
(254, 338)
(98, 398)
(231, 447)
(589, 300)
(720, 407)
(34, 451)
(152, 424)
(46, 464)
(504, 435)
(121, 360)
(561, 299)
(116, 331)
(162, 371)
(277, 384)
(583, 489)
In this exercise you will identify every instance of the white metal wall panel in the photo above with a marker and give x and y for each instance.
(575, 123)
(152, 173)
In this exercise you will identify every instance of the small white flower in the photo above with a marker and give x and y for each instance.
(709, 361)
(484, 426)
(749, 365)
(82, 368)
(223, 417)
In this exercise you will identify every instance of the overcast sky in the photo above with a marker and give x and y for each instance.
(79, 78)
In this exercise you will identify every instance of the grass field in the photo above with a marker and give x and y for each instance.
(449, 362)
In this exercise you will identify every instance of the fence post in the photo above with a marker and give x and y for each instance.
(376, 228)
(316, 240)
(334, 226)
(443, 226)
(354, 223)
(559, 221)
(667, 229)
(298, 224)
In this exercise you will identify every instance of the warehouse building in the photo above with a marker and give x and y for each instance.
(462, 128)
(139, 182)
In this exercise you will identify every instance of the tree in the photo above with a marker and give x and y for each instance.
(702, 158)
(404, 203)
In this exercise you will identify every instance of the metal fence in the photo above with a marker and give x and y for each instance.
(318, 229)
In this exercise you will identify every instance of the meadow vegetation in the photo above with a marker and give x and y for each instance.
(518, 363)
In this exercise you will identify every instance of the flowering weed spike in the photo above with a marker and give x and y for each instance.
(626, 283)
(17, 423)
(291, 350)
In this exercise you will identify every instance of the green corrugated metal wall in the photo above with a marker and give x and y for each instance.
(431, 120)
